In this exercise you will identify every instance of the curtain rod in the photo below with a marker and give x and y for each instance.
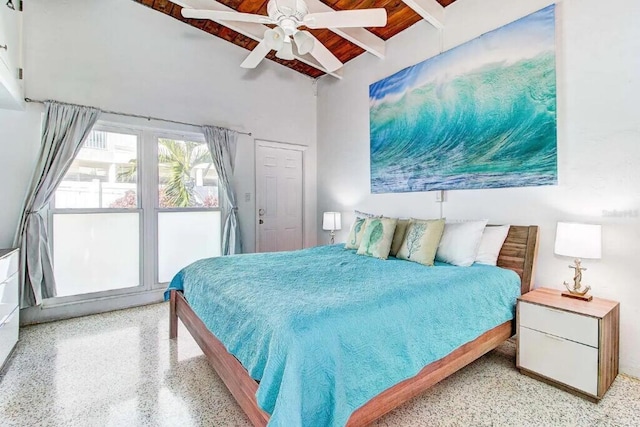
(137, 116)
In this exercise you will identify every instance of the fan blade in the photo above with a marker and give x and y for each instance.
(347, 19)
(256, 55)
(324, 56)
(217, 15)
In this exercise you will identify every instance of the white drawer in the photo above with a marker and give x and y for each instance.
(8, 297)
(8, 266)
(564, 324)
(568, 362)
(8, 335)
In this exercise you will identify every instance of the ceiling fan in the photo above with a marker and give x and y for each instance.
(289, 16)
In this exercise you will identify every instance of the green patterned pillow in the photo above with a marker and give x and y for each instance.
(377, 237)
(421, 241)
(355, 234)
(398, 236)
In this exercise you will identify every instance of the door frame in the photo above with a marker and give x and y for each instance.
(283, 146)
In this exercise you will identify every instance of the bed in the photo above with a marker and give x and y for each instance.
(345, 338)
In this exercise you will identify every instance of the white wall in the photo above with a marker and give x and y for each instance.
(598, 64)
(122, 56)
(19, 143)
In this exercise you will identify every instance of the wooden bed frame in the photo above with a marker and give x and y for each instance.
(518, 253)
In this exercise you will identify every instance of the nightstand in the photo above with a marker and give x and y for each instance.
(568, 343)
(9, 311)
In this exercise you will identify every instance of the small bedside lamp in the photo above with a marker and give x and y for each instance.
(578, 241)
(332, 221)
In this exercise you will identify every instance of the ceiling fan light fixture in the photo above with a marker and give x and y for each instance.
(289, 26)
(286, 8)
(288, 16)
(286, 51)
(304, 42)
(274, 38)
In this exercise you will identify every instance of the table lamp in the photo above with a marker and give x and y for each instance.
(332, 221)
(578, 241)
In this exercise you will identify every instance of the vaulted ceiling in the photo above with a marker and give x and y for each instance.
(345, 45)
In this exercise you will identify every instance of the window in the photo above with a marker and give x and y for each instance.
(97, 139)
(104, 174)
(96, 244)
(188, 216)
(95, 252)
(133, 209)
(187, 178)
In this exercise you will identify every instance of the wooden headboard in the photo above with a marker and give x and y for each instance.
(519, 254)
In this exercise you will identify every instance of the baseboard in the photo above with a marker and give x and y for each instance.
(630, 371)
(43, 314)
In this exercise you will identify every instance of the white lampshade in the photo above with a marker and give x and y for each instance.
(274, 38)
(286, 51)
(304, 41)
(332, 221)
(579, 240)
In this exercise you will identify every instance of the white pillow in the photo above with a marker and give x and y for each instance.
(492, 240)
(460, 242)
(360, 214)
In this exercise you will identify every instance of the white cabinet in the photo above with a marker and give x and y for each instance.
(11, 85)
(567, 342)
(9, 311)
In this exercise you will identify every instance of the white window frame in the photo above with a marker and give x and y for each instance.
(222, 205)
(148, 210)
(106, 127)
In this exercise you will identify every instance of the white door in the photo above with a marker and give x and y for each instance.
(278, 198)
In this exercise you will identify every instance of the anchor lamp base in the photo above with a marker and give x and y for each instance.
(577, 296)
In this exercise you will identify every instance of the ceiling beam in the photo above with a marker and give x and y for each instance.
(253, 31)
(430, 10)
(358, 36)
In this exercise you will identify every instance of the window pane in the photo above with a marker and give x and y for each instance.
(95, 252)
(104, 174)
(187, 177)
(185, 237)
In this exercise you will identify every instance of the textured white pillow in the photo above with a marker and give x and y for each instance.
(460, 242)
(360, 214)
(492, 240)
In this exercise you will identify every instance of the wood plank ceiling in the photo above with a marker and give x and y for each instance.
(399, 17)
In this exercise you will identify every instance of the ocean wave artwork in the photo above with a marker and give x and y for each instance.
(481, 115)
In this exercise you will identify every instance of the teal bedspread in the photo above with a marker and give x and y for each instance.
(324, 330)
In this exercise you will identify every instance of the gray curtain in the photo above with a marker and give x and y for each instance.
(222, 144)
(64, 130)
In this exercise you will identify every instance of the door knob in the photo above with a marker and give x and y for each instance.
(261, 212)
(261, 222)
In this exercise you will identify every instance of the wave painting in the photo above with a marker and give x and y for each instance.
(482, 115)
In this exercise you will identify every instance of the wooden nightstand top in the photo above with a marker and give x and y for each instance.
(597, 307)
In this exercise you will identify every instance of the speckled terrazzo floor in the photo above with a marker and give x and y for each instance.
(120, 369)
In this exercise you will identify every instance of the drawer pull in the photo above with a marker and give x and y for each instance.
(3, 46)
(553, 337)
